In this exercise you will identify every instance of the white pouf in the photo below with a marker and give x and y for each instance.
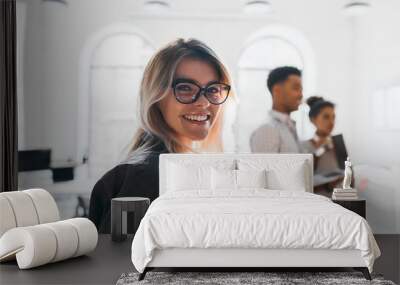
(7, 220)
(27, 208)
(40, 244)
(31, 233)
(45, 205)
(23, 209)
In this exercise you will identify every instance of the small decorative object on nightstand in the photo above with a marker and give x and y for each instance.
(358, 206)
(346, 192)
(121, 209)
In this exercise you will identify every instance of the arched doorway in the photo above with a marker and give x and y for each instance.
(264, 51)
(114, 68)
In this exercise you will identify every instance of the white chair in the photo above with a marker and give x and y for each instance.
(31, 233)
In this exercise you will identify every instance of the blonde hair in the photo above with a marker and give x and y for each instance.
(157, 79)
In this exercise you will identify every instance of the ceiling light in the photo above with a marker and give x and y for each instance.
(356, 8)
(257, 7)
(156, 6)
(64, 2)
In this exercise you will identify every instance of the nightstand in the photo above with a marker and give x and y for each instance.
(126, 214)
(358, 206)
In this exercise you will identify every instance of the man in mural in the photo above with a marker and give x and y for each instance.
(279, 135)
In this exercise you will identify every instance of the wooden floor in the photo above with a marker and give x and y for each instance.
(110, 260)
(389, 262)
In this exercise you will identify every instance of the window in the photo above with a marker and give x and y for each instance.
(385, 114)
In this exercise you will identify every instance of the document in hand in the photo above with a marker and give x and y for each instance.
(321, 179)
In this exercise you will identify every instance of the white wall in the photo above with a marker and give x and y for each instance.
(377, 62)
(58, 35)
(376, 45)
(352, 58)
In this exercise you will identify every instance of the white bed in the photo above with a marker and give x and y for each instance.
(202, 220)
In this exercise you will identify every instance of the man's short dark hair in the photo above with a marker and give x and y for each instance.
(280, 74)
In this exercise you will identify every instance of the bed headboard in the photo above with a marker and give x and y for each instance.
(232, 160)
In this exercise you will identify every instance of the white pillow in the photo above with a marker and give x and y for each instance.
(223, 179)
(251, 178)
(228, 179)
(183, 177)
(288, 178)
(281, 174)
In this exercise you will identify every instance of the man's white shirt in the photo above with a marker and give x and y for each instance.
(278, 135)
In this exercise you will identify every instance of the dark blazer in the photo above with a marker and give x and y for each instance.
(125, 180)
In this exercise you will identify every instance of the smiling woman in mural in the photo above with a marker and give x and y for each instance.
(182, 93)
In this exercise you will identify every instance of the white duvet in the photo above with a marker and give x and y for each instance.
(250, 219)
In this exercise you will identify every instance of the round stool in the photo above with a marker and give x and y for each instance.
(126, 214)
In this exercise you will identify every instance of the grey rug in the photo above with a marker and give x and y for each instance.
(228, 278)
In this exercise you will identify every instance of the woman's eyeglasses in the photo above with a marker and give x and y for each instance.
(187, 91)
